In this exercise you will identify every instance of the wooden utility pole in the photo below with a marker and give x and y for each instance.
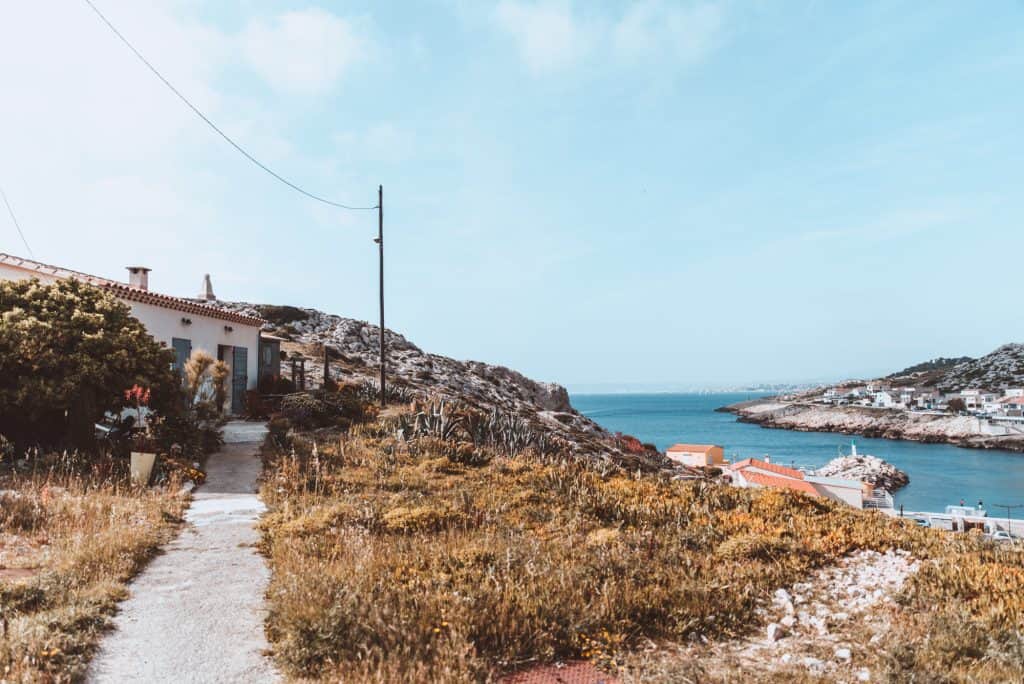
(380, 247)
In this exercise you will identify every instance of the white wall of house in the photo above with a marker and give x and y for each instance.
(8, 272)
(204, 332)
(851, 494)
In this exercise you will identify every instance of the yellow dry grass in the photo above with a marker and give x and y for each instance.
(68, 546)
(393, 563)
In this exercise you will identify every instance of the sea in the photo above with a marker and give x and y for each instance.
(940, 474)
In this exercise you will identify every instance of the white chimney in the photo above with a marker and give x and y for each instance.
(767, 458)
(138, 276)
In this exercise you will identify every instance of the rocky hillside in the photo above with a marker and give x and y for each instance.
(353, 349)
(1002, 368)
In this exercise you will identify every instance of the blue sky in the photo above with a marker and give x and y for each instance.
(664, 194)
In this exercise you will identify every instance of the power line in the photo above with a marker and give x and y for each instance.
(212, 125)
(15, 220)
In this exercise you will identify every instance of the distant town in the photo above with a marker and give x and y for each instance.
(1006, 405)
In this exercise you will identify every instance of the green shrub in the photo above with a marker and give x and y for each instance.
(281, 315)
(306, 411)
(68, 351)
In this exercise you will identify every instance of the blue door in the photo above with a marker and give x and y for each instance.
(182, 351)
(239, 378)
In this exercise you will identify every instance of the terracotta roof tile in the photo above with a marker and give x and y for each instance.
(573, 672)
(780, 482)
(128, 292)
(764, 465)
(693, 448)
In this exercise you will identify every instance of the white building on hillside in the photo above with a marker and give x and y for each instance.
(181, 324)
(884, 400)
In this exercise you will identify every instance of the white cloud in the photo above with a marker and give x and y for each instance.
(381, 142)
(662, 30)
(550, 35)
(897, 224)
(305, 51)
(547, 34)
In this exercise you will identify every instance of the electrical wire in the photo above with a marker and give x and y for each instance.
(214, 126)
(16, 225)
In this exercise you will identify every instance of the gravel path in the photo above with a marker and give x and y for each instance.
(196, 612)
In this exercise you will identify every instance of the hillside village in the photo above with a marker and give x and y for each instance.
(989, 387)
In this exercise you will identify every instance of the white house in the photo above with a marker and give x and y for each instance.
(181, 324)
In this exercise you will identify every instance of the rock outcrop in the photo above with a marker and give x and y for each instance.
(866, 468)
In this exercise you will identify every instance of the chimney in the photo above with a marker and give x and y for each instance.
(138, 276)
(207, 293)
(767, 458)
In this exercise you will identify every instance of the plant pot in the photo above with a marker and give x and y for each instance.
(142, 467)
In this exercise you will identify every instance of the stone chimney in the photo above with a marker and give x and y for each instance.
(138, 276)
(207, 293)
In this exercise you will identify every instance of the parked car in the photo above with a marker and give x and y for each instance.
(1001, 536)
(921, 521)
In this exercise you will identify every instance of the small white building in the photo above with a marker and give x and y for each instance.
(883, 399)
(697, 455)
(181, 324)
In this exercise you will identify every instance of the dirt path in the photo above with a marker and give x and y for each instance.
(196, 612)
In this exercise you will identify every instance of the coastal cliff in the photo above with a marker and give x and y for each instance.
(964, 431)
(353, 350)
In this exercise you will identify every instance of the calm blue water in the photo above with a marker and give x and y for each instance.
(939, 474)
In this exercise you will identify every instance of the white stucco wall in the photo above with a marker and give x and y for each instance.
(8, 272)
(848, 495)
(205, 332)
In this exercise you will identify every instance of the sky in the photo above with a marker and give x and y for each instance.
(653, 194)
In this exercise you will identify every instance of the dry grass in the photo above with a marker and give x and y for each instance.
(68, 546)
(391, 561)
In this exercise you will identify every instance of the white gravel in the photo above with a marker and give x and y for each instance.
(196, 613)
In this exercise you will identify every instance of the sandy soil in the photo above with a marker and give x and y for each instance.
(196, 613)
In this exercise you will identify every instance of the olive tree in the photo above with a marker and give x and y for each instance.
(68, 352)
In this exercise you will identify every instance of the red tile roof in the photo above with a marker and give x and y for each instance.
(693, 448)
(573, 672)
(764, 465)
(128, 292)
(780, 482)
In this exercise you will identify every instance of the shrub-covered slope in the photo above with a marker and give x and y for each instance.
(354, 352)
(401, 554)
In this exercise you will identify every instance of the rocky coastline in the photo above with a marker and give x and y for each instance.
(803, 416)
(866, 468)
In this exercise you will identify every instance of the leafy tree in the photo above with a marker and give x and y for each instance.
(68, 352)
(956, 405)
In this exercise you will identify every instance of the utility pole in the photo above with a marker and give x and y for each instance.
(1008, 507)
(380, 247)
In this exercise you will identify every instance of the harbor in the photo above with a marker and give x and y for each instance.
(940, 474)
